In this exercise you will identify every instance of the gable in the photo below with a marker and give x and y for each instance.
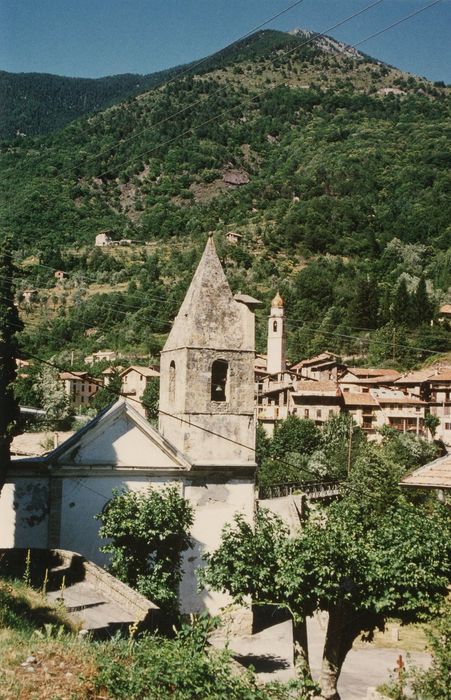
(119, 438)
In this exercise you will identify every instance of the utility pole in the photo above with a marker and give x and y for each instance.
(351, 430)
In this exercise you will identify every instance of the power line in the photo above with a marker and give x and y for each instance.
(258, 95)
(189, 69)
(399, 21)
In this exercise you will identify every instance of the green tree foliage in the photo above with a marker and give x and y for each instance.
(52, 397)
(346, 201)
(371, 555)
(107, 394)
(432, 683)
(184, 668)
(283, 458)
(150, 399)
(147, 534)
(9, 327)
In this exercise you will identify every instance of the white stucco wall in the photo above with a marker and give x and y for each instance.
(85, 497)
(215, 505)
(24, 512)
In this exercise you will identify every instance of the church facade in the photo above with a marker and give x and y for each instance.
(205, 443)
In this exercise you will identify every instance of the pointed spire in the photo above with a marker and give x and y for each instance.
(209, 316)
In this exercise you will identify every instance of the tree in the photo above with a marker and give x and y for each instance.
(432, 683)
(421, 306)
(370, 556)
(107, 394)
(431, 422)
(150, 400)
(10, 325)
(148, 533)
(52, 396)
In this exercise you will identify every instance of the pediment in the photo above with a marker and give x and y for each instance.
(119, 437)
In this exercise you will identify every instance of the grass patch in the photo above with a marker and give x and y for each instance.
(43, 658)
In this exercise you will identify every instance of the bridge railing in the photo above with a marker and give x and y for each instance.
(313, 490)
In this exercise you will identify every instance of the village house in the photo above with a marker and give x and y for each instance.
(79, 387)
(104, 238)
(323, 367)
(362, 379)
(364, 409)
(205, 444)
(316, 400)
(444, 314)
(101, 356)
(438, 396)
(405, 413)
(60, 275)
(233, 237)
(134, 381)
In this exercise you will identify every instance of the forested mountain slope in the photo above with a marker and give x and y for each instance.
(39, 103)
(333, 166)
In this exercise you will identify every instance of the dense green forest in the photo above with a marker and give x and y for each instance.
(39, 103)
(332, 166)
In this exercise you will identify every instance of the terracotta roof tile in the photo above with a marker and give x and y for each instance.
(436, 474)
(356, 399)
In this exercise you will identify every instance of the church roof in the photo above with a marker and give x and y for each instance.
(118, 437)
(209, 316)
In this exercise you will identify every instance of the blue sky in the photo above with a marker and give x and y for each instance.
(92, 38)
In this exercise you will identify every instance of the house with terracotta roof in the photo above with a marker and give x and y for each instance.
(317, 401)
(134, 381)
(364, 409)
(323, 367)
(79, 387)
(362, 379)
(397, 410)
(439, 400)
(444, 314)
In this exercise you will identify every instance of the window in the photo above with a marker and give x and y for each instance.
(274, 326)
(306, 412)
(318, 413)
(219, 380)
(331, 412)
(172, 381)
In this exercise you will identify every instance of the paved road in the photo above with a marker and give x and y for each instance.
(270, 653)
(363, 668)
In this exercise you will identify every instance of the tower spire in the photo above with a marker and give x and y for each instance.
(276, 336)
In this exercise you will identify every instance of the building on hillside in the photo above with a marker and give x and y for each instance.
(364, 409)
(405, 413)
(79, 387)
(439, 401)
(444, 314)
(317, 401)
(362, 379)
(323, 367)
(60, 275)
(272, 406)
(134, 381)
(233, 237)
(205, 444)
(101, 356)
(104, 238)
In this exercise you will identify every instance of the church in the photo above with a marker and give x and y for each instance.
(205, 442)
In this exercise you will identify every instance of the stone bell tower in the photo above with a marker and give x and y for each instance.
(276, 336)
(207, 382)
(207, 412)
